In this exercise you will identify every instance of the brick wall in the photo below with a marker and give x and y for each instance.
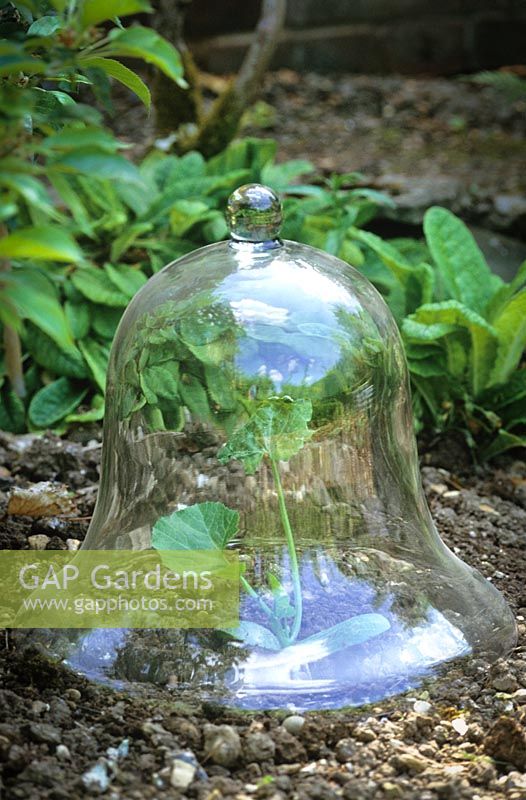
(375, 36)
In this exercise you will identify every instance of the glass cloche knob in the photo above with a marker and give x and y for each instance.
(254, 214)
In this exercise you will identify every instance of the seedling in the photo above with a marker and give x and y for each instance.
(276, 431)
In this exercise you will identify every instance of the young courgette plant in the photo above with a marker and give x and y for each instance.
(276, 431)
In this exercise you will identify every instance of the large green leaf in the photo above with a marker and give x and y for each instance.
(510, 325)
(278, 429)
(36, 299)
(436, 320)
(187, 213)
(30, 189)
(194, 397)
(12, 411)
(503, 441)
(73, 200)
(462, 268)
(104, 320)
(92, 12)
(220, 387)
(97, 357)
(122, 74)
(209, 333)
(160, 381)
(148, 45)
(96, 285)
(50, 356)
(204, 526)
(78, 317)
(280, 177)
(53, 402)
(45, 243)
(78, 138)
(44, 26)
(408, 274)
(91, 161)
(93, 414)
(126, 279)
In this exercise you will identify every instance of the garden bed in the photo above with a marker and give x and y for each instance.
(435, 742)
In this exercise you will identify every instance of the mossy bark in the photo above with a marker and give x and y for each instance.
(175, 106)
(219, 127)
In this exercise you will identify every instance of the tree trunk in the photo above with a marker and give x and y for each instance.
(173, 105)
(221, 125)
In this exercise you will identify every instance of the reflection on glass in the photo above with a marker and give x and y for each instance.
(258, 400)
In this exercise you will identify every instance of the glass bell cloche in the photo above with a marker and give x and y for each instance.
(262, 385)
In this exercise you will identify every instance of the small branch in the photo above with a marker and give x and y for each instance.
(12, 344)
(261, 50)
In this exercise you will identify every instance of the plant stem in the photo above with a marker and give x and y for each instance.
(252, 592)
(298, 599)
(274, 623)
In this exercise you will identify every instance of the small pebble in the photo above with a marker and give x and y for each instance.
(44, 733)
(422, 707)
(182, 773)
(505, 683)
(345, 750)
(39, 707)
(73, 544)
(38, 541)
(222, 744)
(410, 762)
(259, 747)
(460, 725)
(96, 779)
(72, 694)
(364, 735)
(62, 752)
(294, 723)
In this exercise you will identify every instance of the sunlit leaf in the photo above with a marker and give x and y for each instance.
(36, 299)
(204, 526)
(44, 243)
(278, 429)
(95, 11)
(122, 74)
(148, 45)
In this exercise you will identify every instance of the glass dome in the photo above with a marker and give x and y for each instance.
(267, 380)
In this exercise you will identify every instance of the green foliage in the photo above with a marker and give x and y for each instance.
(278, 429)
(205, 526)
(122, 236)
(49, 141)
(53, 402)
(506, 83)
(464, 331)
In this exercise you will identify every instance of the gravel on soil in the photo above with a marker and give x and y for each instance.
(462, 736)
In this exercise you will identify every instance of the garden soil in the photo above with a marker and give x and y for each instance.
(461, 736)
